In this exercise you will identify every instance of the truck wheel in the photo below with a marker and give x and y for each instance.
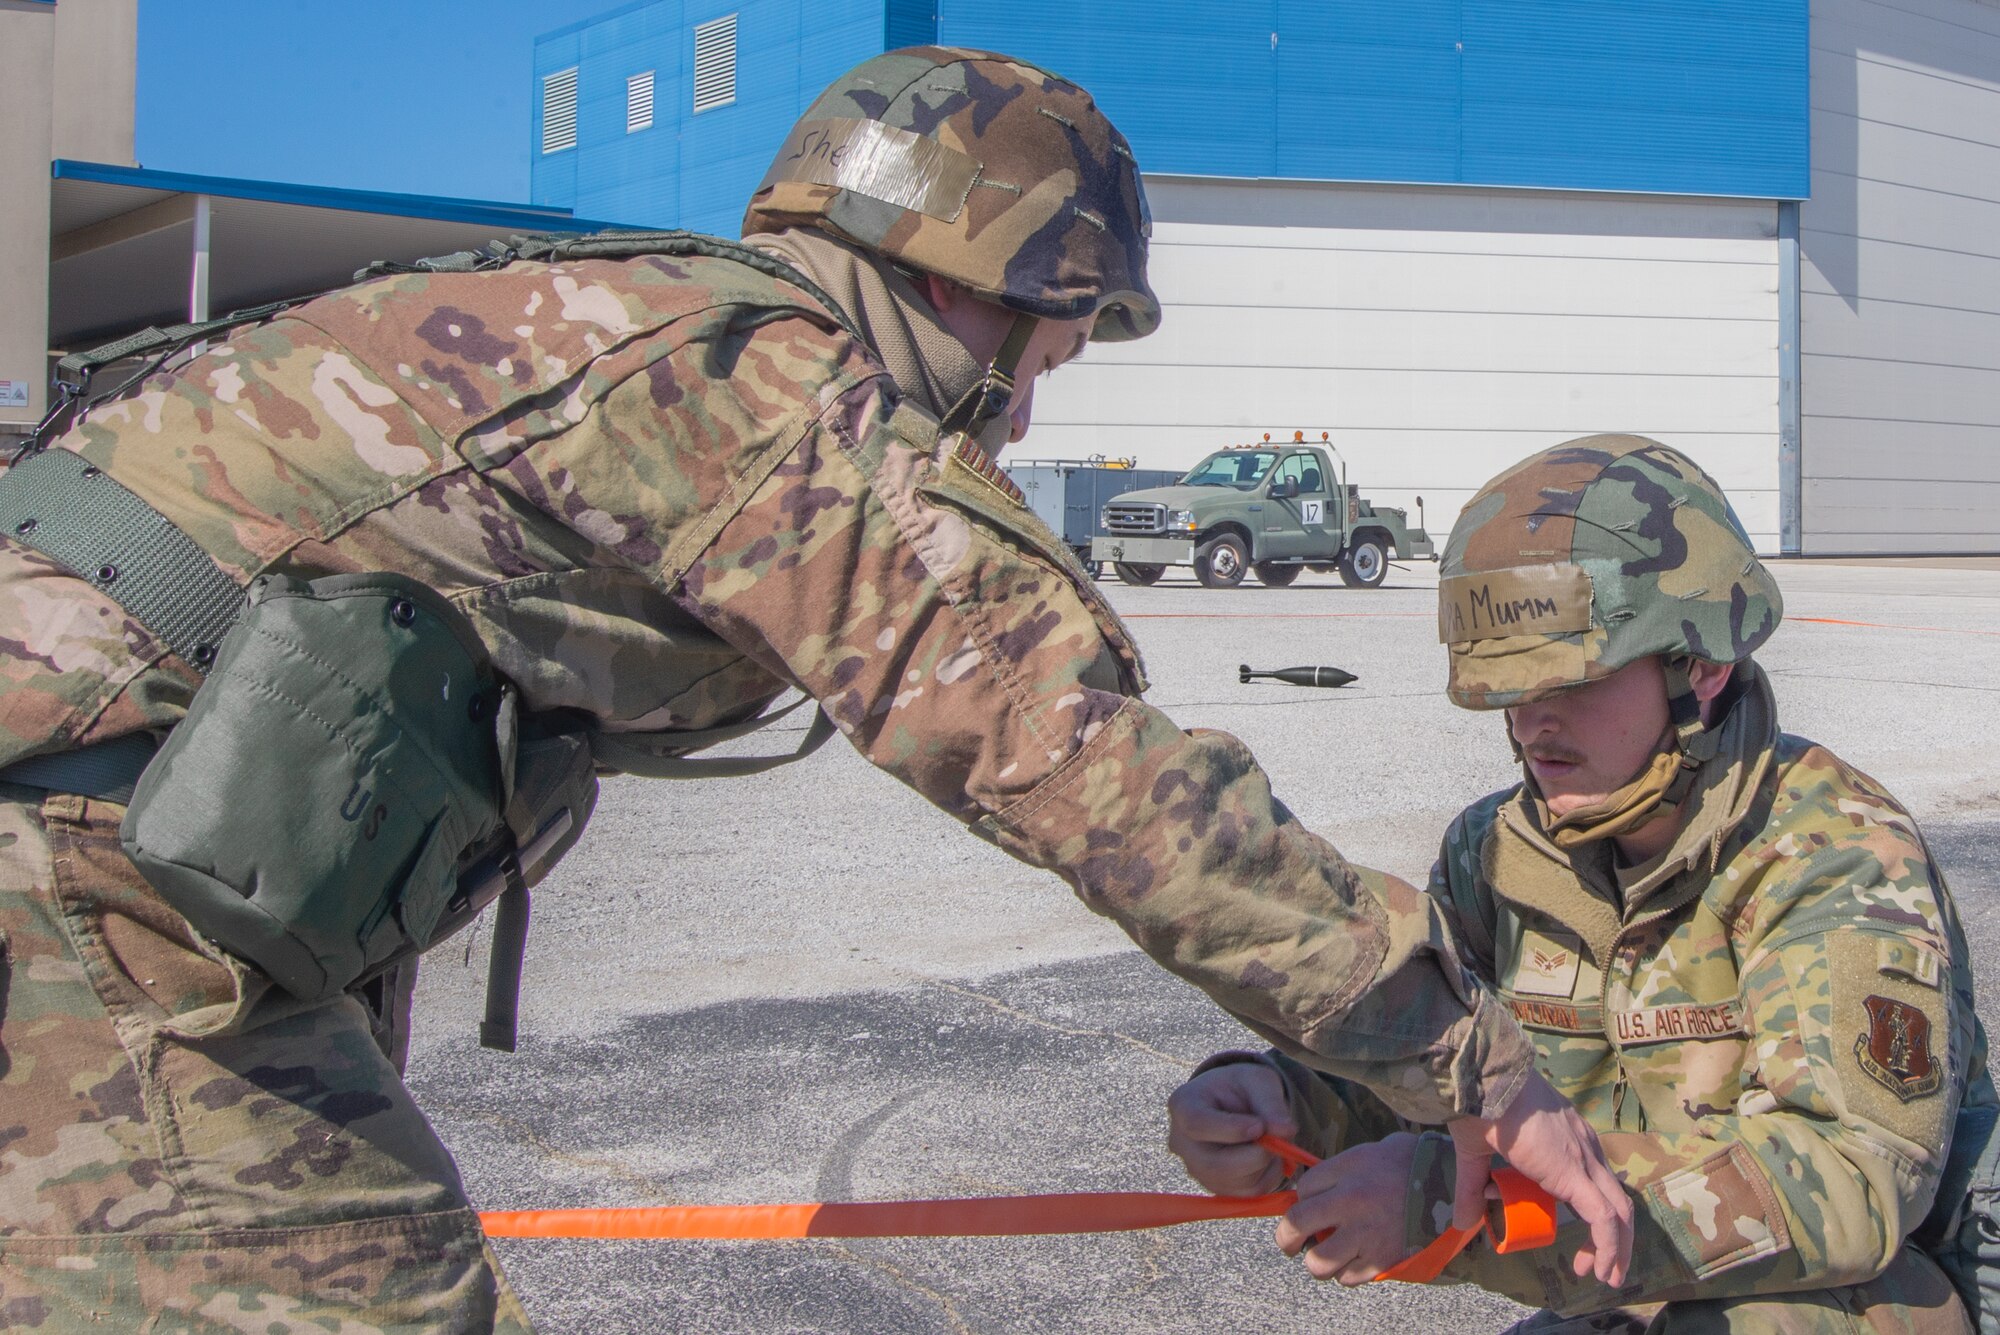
(1274, 576)
(1137, 573)
(1220, 565)
(1365, 562)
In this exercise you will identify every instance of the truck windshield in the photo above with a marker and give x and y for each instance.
(1241, 469)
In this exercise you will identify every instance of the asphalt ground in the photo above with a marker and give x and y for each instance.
(810, 986)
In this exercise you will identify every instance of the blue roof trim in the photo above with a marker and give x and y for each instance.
(437, 208)
(1408, 181)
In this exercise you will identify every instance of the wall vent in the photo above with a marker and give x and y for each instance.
(559, 110)
(638, 102)
(715, 63)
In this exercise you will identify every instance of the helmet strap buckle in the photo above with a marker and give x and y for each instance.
(991, 395)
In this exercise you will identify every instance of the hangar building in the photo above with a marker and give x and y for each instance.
(1453, 231)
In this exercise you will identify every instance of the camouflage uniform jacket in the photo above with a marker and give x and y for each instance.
(1771, 1027)
(664, 489)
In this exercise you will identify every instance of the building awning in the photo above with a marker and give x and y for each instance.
(125, 243)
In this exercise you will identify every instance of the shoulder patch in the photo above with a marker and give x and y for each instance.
(1895, 1049)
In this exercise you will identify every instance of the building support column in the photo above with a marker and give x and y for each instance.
(27, 53)
(198, 269)
(1790, 462)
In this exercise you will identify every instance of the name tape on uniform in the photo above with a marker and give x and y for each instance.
(1534, 1013)
(1670, 1024)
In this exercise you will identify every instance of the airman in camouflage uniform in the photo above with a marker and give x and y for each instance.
(663, 489)
(1769, 1017)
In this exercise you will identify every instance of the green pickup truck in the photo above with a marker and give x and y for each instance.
(1272, 509)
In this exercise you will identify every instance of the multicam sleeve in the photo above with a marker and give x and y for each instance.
(913, 600)
(1857, 1000)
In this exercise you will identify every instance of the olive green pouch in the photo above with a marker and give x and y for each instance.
(311, 812)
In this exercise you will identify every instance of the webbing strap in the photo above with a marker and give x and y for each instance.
(73, 512)
(977, 1217)
(106, 770)
(1528, 1216)
(634, 753)
(614, 245)
(74, 369)
(627, 245)
(989, 398)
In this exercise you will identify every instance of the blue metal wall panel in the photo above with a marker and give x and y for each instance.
(1692, 96)
(1669, 96)
(1369, 91)
(689, 170)
(1676, 96)
(909, 23)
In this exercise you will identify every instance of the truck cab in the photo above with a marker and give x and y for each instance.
(1274, 509)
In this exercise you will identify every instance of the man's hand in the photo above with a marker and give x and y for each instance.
(1541, 1135)
(1213, 1122)
(1357, 1199)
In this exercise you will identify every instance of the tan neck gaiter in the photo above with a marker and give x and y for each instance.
(1621, 812)
(925, 359)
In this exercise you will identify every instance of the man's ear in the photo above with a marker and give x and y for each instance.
(1708, 678)
(942, 293)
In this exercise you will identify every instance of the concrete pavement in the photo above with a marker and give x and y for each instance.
(808, 985)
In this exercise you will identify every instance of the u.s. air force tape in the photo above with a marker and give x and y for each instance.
(879, 161)
(1501, 604)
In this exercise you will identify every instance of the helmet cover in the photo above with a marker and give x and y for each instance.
(981, 169)
(1587, 557)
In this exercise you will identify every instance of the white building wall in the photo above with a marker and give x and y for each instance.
(27, 44)
(1900, 279)
(1441, 334)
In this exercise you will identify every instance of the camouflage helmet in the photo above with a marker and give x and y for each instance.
(979, 168)
(1589, 556)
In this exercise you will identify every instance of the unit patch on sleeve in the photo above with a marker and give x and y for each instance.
(1895, 1049)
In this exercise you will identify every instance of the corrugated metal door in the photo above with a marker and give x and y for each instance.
(1440, 334)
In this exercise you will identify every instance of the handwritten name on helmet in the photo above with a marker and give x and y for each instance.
(1530, 600)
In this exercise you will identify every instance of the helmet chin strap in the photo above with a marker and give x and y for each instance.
(1658, 788)
(1695, 740)
(989, 398)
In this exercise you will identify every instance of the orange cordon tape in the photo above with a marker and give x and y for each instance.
(1529, 1216)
